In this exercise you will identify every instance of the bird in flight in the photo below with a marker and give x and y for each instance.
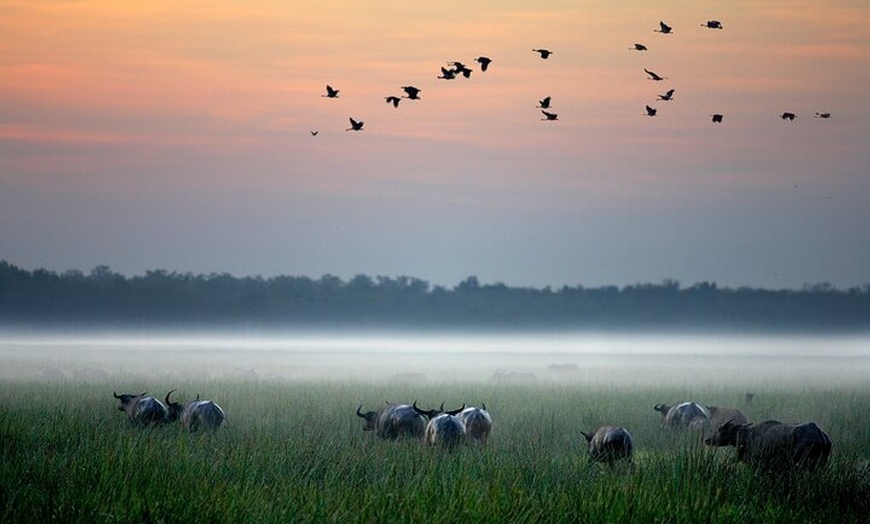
(717, 118)
(549, 116)
(787, 116)
(447, 74)
(313, 132)
(483, 61)
(460, 69)
(545, 53)
(713, 24)
(354, 125)
(665, 29)
(669, 95)
(654, 76)
(393, 100)
(413, 92)
(638, 47)
(651, 111)
(823, 115)
(545, 103)
(330, 92)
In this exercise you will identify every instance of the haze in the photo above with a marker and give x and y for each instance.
(409, 360)
(166, 135)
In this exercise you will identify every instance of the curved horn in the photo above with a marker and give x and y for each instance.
(168, 402)
(484, 406)
(456, 411)
(359, 413)
(116, 395)
(143, 394)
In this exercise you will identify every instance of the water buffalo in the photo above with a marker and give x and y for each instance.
(393, 421)
(478, 423)
(775, 445)
(142, 410)
(444, 429)
(684, 415)
(609, 443)
(195, 414)
(720, 415)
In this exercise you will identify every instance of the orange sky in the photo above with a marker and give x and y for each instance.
(126, 120)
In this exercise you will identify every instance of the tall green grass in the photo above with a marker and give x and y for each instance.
(295, 452)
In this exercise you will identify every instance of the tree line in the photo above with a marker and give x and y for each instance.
(104, 298)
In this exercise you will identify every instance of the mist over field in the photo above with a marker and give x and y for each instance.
(407, 358)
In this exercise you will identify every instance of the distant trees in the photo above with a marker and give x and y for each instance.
(105, 298)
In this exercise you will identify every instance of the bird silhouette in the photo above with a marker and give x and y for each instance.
(483, 61)
(460, 69)
(823, 115)
(545, 53)
(654, 76)
(717, 118)
(545, 103)
(638, 47)
(549, 116)
(313, 132)
(412, 92)
(393, 100)
(787, 116)
(669, 95)
(330, 92)
(354, 125)
(713, 24)
(651, 111)
(664, 29)
(447, 74)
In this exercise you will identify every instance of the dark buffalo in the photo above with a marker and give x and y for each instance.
(609, 443)
(775, 445)
(478, 423)
(684, 415)
(142, 410)
(444, 429)
(393, 421)
(196, 414)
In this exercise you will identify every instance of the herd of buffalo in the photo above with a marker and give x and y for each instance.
(768, 444)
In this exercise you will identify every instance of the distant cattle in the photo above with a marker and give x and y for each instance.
(444, 429)
(393, 421)
(609, 443)
(774, 445)
(478, 423)
(720, 415)
(196, 414)
(514, 377)
(142, 410)
(563, 369)
(684, 415)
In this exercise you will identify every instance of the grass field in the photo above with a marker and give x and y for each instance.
(295, 452)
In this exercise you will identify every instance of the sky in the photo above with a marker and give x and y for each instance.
(176, 135)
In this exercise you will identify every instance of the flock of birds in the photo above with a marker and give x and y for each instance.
(457, 69)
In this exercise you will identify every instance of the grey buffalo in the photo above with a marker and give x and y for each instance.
(684, 415)
(393, 421)
(720, 415)
(775, 445)
(444, 429)
(196, 414)
(609, 443)
(142, 410)
(478, 423)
